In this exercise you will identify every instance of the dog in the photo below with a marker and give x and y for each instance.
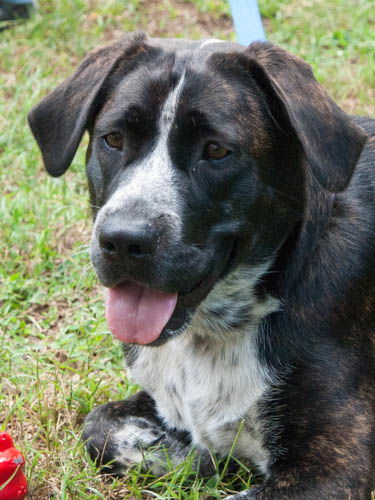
(233, 207)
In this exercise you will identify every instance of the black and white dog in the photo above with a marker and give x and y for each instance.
(234, 228)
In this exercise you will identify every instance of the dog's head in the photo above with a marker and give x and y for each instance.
(199, 158)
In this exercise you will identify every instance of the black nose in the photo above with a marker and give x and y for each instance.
(135, 240)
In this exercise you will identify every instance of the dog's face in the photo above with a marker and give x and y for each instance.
(196, 163)
(178, 180)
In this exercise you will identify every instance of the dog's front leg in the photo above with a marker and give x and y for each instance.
(121, 433)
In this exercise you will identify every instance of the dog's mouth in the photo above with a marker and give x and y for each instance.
(141, 315)
(138, 314)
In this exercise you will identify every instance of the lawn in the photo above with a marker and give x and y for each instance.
(57, 359)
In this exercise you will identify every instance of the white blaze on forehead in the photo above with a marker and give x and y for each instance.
(153, 180)
(209, 42)
(168, 112)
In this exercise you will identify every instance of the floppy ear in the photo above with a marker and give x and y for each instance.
(60, 119)
(331, 141)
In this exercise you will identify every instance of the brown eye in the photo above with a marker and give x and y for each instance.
(114, 140)
(216, 152)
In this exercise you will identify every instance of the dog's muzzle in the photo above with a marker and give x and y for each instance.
(155, 279)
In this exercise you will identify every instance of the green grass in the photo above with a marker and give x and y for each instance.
(57, 359)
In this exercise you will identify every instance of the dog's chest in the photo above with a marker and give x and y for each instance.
(210, 389)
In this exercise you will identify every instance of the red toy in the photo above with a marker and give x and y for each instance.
(11, 469)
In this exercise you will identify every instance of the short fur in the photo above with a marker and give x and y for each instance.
(271, 249)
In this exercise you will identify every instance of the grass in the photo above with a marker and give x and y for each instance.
(57, 359)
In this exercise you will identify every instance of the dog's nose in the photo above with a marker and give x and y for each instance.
(135, 241)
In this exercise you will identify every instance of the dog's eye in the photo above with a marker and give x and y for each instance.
(114, 140)
(215, 152)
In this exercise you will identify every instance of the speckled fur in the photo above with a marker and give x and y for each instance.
(207, 381)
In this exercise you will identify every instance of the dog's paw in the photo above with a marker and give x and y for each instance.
(116, 440)
(117, 444)
(138, 433)
(137, 441)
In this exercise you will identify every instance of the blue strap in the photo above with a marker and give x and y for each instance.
(16, 2)
(247, 21)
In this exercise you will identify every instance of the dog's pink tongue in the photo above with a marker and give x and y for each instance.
(138, 314)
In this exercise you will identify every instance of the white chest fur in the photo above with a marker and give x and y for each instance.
(210, 390)
(209, 380)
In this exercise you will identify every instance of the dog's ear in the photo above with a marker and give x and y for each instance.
(59, 121)
(331, 141)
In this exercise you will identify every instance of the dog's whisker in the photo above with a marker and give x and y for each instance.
(86, 250)
(84, 245)
(88, 267)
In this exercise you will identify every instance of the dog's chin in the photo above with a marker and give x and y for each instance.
(189, 299)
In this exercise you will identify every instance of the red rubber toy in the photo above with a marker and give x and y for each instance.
(11, 469)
